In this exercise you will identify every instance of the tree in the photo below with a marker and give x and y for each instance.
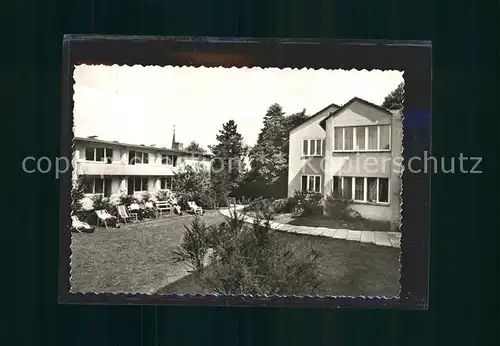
(269, 157)
(193, 184)
(195, 147)
(228, 166)
(394, 101)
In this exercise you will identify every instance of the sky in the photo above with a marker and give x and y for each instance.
(141, 105)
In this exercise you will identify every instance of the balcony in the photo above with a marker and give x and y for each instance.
(101, 168)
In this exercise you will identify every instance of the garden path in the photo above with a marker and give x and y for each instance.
(390, 239)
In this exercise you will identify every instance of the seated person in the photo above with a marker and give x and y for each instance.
(149, 209)
(136, 208)
(81, 226)
(110, 219)
(175, 204)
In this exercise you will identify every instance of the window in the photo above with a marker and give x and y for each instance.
(384, 137)
(170, 160)
(138, 157)
(383, 190)
(347, 187)
(372, 138)
(95, 185)
(312, 147)
(137, 184)
(311, 183)
(337, 187)
(348, 138)
(166, 183)
(338, 134)
(99, 154)
(360, 189)
(362, 138)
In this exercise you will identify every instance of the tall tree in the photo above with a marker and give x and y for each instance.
(269, 157)
(228, 167)
(195, 147)
(394, 101)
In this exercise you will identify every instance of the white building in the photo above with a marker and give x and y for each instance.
(111, 167)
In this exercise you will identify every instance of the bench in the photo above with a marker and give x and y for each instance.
(163, 207)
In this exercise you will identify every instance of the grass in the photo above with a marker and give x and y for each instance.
(325, 221)
(346, 268)
(134, 258)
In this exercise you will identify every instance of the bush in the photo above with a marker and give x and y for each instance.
(338, 208)
(308, 203)
(103, 203)
(192, 183)
(247, 259)
(127, 200)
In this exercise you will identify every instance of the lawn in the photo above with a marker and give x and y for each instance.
(133, 258)
(325, 221)
(347, 268)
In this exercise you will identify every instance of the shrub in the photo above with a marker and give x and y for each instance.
(192, 183)
(127, 200)
(338, 208)
(247, 259)
(103, 203)
(308, 203)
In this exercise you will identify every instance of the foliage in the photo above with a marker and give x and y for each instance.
(193, 183)
(263, 208)
(394, 101)
(103, 203)
(77, 195)
(308, 203)
(127, 199)
(247, 259)
(228, 168)
(163, 195)
(338, 208)
(195, 147)
(269, 157)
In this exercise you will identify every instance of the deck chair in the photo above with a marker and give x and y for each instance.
(163, 207)
(80, 225)
(124, 215)
(194, 208)
(103, 217)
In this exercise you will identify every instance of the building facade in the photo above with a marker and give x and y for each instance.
(352, 151)
(111, 167)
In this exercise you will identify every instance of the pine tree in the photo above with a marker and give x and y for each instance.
(227, 166)
(269, 157)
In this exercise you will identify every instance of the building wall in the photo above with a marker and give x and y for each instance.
(297, 163)
(120, 170)
(382, 164)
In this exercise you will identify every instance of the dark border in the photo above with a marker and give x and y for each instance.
(412, 57)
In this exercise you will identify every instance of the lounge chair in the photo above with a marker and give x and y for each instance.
(194, 208)
(163, 207)
(80, 226)
(104, 217)
(124, 215)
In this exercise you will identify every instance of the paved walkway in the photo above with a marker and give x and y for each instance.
(391, 239)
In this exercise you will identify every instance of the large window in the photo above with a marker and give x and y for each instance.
(137, 184)
(167, 183)
(362, 138)
(311, 183)
(99, 154)
(138, 158)
(312, 147)
(170, 160)
(97, 185)
(360, 189)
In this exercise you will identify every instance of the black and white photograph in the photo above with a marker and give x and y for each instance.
(236, 181)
